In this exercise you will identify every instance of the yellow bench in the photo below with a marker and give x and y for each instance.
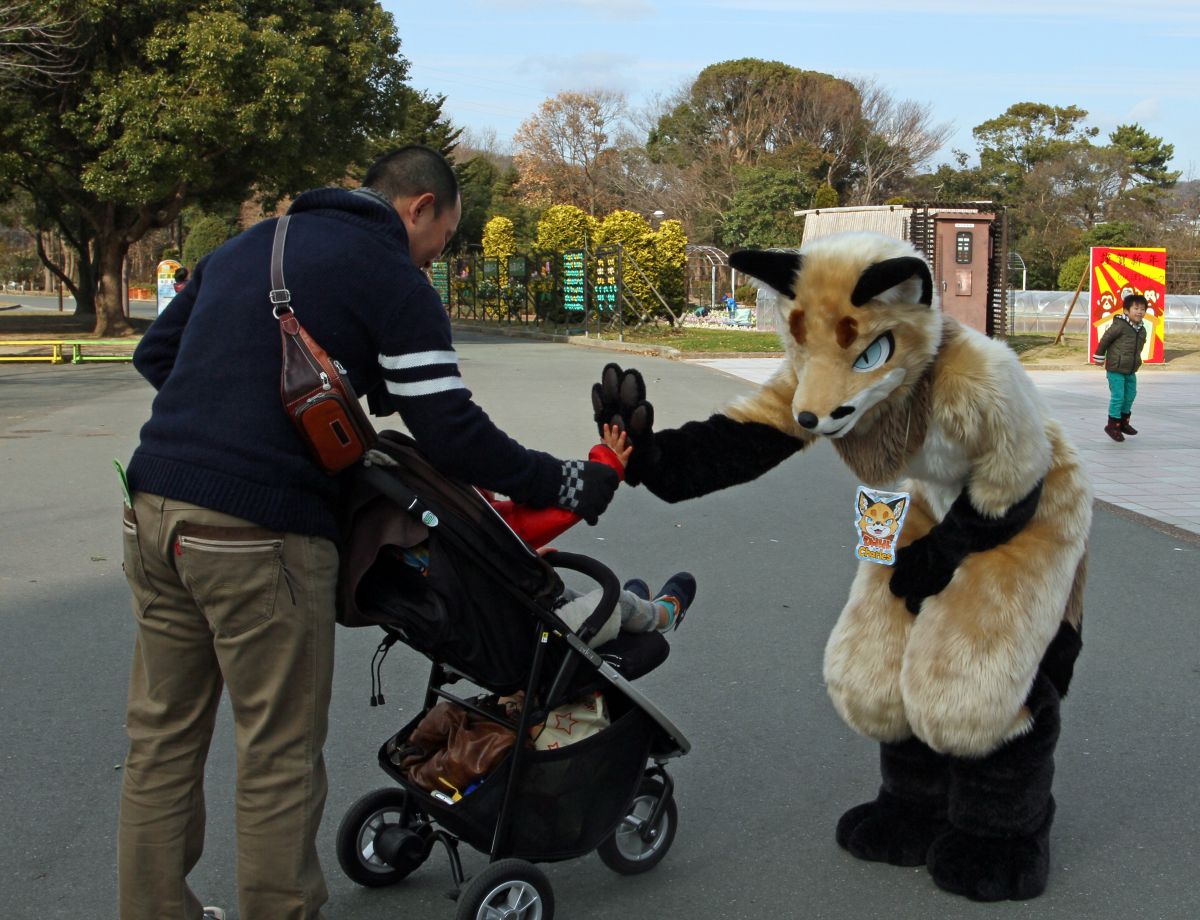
(57, 347)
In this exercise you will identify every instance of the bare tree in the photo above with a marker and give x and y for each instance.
(566, 153)
(826, 115)
(33, 45)
(900, 138)
(480, 142)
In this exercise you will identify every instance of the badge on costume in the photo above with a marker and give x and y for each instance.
(879, 520)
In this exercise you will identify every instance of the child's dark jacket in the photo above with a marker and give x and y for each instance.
(1121, 346)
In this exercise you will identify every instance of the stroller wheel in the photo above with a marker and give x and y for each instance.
(627, 851)
(508, 889)
(373, 847)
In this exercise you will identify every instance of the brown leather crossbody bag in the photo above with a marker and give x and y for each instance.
(316, 392)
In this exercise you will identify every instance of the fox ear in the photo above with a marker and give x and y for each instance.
(778, 269)
(893, 281)
(897, 506)
(863, 502)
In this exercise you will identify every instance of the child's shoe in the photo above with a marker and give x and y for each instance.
(678, 593)
(1125, 427)
(638, 588)
(1113, 429)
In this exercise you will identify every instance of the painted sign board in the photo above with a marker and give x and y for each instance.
(165, 282)
(1117, 272)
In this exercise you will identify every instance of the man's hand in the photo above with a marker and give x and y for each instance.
(587, 488)
(619, 400)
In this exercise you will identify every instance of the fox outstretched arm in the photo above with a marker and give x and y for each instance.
(702, 457)
(698, 457)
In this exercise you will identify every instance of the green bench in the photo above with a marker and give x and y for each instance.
(58, 347)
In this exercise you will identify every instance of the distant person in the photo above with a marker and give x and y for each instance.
(181, 277)
(731, 304)
(1121, 349)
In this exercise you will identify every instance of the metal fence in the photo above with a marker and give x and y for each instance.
(573, 292)
(1043, 312)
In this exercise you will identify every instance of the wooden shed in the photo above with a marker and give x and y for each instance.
(966, 243)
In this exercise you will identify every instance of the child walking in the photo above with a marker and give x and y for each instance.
(1121, 349)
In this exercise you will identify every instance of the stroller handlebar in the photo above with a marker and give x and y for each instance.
(599, 573)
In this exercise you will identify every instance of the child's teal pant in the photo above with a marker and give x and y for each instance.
(1122, 388)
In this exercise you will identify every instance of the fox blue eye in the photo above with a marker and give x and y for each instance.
(877, 354)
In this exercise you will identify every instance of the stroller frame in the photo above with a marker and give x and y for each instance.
(376, 851)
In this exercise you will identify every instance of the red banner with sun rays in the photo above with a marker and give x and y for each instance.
(1117, 272)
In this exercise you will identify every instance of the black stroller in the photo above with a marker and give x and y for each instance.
(483, 612)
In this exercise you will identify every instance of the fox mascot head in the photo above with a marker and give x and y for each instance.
(861, 324)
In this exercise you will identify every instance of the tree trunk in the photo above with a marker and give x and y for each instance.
(110, 308)
(84, 291)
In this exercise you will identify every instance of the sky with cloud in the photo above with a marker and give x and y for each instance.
(497, 60)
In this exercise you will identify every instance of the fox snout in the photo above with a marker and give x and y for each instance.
(810, 422)
(815, 387)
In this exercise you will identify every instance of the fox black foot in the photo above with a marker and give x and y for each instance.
(909, 812)
(889, 830)
(990, 868)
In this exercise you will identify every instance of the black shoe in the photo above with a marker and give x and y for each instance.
(638, 588)
(682, 587)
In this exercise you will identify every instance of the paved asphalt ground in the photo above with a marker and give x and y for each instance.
(771, 768)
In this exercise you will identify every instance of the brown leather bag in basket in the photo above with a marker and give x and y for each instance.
(315, 390)
(451, 748)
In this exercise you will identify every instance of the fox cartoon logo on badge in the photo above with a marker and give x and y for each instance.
(880, 520)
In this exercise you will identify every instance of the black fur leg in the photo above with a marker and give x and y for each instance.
(909, 813)
(993, 868)
(1000, 811)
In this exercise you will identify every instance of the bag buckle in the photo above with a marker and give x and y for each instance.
(281, 295)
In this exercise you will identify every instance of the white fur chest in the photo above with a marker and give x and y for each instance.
(941, 465)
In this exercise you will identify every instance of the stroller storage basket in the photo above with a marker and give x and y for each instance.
(566, 801)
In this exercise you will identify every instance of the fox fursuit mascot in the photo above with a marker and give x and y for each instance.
(955, 657)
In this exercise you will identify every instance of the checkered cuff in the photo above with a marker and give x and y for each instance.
(571, 488)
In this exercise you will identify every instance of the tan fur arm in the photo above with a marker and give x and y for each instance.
(984, 400)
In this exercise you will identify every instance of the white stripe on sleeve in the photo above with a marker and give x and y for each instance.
(425, 387)
(417, 359)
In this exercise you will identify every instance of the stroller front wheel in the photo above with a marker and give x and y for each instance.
(508, 889)
(374, 847)
(633, 848)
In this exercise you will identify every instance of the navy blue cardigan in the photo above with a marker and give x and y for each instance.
(218, 435)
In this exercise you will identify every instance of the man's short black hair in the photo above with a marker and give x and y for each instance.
(181, 274)
(414, 170)
(1131, 299)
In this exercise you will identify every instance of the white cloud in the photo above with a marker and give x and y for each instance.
(610, 9)
(1146, 110)
(1173, 11)
(584, 71)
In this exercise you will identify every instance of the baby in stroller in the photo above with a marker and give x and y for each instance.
(636, 611)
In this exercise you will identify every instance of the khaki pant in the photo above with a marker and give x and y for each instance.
(222, 603)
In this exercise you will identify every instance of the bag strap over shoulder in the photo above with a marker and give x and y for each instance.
(281, 297)
(315, 389)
